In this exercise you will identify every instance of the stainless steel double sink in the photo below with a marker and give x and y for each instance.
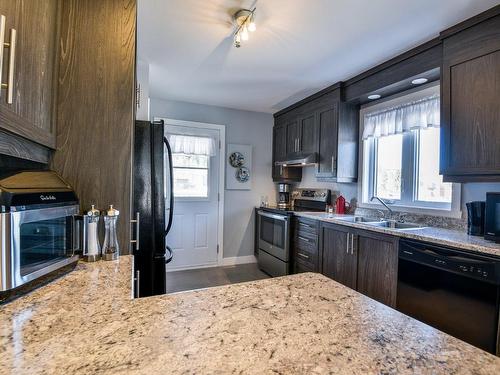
(390, 224)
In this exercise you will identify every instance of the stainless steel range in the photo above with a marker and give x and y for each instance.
(274, 229)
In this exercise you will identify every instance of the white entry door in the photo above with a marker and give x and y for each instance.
(194, 236)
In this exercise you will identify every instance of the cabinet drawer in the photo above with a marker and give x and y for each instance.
(306, 225)
(306, 242)
(299, 267)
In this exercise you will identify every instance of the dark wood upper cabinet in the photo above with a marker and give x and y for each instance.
(470, 116)
(30, 114)
(326, 126)
(338, 261)
(280, 173)
(377, 266)
(328, 141)
(308, 137)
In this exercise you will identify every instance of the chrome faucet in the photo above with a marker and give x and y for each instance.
(391, 212)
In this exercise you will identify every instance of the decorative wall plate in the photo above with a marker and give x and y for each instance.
(236, 159)
(242, 174)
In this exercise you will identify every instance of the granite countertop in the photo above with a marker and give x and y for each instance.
(440, 236)
(87, 323)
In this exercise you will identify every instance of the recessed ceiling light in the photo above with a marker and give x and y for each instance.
(419, 81)
(374, 96)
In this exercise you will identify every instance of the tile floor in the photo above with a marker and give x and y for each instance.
(178, 281)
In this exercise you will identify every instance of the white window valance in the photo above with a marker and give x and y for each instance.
(191, 145)
(421, 114)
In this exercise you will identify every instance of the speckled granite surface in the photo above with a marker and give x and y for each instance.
(448, 237)
(86, 323)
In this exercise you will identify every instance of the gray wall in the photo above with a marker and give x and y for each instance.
(241, 127)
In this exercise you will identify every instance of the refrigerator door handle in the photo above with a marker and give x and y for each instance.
(137, 232)
(171, 187)
(170, 255)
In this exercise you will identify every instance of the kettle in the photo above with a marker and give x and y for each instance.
(340, 205)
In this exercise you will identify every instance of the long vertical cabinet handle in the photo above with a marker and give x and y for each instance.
(137, 283)
(2, 45)
(12, 59)
(347, 244)
(352, 244)
(333, 163)
(137, 232)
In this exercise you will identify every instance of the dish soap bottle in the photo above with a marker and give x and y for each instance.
(110, 248)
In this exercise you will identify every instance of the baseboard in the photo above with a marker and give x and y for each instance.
(231, 261)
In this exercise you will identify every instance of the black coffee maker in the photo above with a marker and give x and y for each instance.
(284, 196)
(475, 218)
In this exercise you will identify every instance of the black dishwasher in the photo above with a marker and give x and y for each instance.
(454, 291)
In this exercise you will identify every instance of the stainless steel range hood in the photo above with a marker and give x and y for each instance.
(299, 160)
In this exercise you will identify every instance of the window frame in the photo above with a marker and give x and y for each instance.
(367, 149)
(194, 198)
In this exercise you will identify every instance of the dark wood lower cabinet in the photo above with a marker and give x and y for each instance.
(362, 260)
(338, 261)
(378, 267)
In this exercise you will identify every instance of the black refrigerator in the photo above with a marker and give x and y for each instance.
(152, 207)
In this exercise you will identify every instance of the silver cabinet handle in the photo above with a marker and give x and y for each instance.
(306, 226)
(347, 244)
(352, 244)
(334, 161)
(137, 232)
(298, 144)
(12, 60)
(303, 255)
(304, 239)
(2, 43)
(137, 283)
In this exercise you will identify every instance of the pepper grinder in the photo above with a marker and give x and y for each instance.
(110, 249)
(91, 245)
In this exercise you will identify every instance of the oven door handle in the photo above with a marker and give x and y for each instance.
(272, 216)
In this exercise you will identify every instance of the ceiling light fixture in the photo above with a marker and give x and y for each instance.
(419, 81)
(244, 20)
(374, 96)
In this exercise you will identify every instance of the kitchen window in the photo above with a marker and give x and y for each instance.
(191, 165)
(400, 155)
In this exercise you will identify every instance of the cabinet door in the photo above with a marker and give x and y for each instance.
(30, 113)
(292, 136)
(377, 267)
(470, 109)
(280, 173)
(327, 118)
(339, 261)
(308, 138)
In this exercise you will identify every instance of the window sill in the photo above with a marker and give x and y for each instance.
(455, 214)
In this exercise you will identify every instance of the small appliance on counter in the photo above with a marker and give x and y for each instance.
(492, 217)
(91, 245)
(284, 196)
(274, 232)
(38, 230)
(475, 218)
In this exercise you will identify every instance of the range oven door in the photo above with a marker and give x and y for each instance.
(274, 234)
(36, 242)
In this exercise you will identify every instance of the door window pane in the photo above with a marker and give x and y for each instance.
(431, 187)
(190, 175)
(388, 167)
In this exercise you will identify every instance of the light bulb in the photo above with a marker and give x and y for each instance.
(251, 26)
(244, 33)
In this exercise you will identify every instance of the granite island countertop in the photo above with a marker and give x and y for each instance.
(439, 236)
(87, 323)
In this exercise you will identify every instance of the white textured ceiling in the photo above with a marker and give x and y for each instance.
(300, 46)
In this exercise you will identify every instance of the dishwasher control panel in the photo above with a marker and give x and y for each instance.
(456, 261)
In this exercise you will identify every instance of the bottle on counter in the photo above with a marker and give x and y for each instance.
(91, 244)
(110, 248)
